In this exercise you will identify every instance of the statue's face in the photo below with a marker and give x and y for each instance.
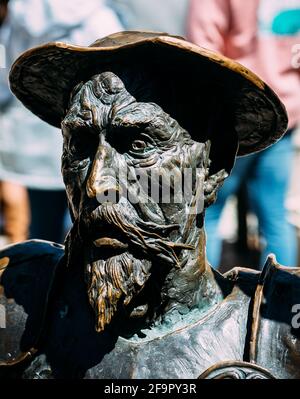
(123, 166)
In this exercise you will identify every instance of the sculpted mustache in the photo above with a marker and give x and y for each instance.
(146, 236)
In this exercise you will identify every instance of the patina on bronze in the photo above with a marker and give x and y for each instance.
(132, 295)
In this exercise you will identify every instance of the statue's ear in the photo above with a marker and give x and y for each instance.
(213, 181)
(212, 185)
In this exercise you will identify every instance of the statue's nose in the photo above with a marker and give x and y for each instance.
(102, 183)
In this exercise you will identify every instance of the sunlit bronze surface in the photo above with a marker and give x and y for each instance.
(131, 295)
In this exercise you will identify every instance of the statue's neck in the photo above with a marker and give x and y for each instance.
(193, 288)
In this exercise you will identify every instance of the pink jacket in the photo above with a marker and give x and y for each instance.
(263, 35)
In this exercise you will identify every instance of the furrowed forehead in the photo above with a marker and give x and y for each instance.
(103, 83)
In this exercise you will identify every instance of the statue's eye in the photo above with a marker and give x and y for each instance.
(83, 145)
(139, 145)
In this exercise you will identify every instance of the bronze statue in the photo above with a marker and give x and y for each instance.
(131, 295)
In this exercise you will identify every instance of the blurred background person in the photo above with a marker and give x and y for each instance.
(14, 204)
(30, 149)
(260, 34)
(157, 15)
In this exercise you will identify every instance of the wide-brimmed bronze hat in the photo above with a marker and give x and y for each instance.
(210, 95)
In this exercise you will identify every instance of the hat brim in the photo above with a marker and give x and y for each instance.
(216, 97)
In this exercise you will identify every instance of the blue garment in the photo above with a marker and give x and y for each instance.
(279, 17)
(267, 176)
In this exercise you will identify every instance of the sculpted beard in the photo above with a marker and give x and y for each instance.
(108, 281)
(115, 280)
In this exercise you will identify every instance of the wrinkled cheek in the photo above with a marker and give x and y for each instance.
(168, 191)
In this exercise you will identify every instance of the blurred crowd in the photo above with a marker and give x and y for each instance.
(261, 198)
